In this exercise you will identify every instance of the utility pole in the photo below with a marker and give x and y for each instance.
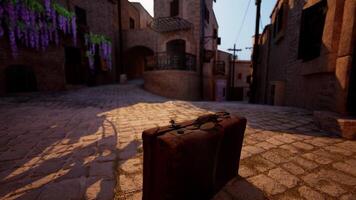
(232, 71)
(255, 52)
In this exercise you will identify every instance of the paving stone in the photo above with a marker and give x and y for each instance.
(265, 145)
(303, 146)
(67, 189)
(103, 170)
(275, 141)
(267, 184)
(259, 163)
(338, 177)
(339, 150)
(283, 177)
(112, 120)
(309, 193)
(246, 172)
(239, 188)
(348, 197)
(317, 158)
(348, 145)
(290, 148)
(99, 189)
(323, 184)
(131, 165)
(129, 183)
(308, 165)
(253, 149)
(345, 167)
(293, 168)
(274, 157)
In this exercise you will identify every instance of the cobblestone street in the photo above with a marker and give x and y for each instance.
(86, 144)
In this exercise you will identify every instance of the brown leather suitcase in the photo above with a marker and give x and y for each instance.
(192, 160)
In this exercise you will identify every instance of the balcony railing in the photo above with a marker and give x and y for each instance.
(219, 68)
(164, 61)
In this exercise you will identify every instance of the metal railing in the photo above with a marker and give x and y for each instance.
(165, 61)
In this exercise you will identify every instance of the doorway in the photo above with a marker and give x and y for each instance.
(176, 53)
(20, 78)
(74, 71)
(136, 61)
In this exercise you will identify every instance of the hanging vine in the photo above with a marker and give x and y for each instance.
(101, 45)
(38, 23)
(35, 23)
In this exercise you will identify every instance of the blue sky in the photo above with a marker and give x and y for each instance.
(230, 15)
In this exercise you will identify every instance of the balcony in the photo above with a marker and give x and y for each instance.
(170, 24)
(164, 61)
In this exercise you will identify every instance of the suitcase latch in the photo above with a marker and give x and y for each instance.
(174, 125)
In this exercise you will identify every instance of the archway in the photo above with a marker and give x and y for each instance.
(136, 60)
(20, 78)
(176, 47)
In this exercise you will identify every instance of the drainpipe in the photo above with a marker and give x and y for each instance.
(202, 36)
(120, 68)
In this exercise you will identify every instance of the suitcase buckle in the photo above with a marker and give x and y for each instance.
(174, 125)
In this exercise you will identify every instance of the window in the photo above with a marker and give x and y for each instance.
(215, 34)
(248, 79)
(239, 76)
(132, 23)
(311, 31)
(207, 15)
(81, 16)
(279, 21)
(174, 8)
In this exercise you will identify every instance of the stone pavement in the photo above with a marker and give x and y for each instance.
(86, 144)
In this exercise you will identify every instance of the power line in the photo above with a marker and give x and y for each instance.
(243, 21)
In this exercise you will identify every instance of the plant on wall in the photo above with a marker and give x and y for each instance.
(35, 23)
(101, 45)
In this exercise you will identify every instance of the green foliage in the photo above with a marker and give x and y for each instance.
(62, 11)
(97, 38)
(34, 5)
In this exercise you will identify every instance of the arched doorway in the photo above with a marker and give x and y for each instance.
(176, 47)
(20, 78)
(135, 61)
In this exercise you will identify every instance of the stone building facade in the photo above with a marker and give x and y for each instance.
(307, 56)
(59, 67)
(175, 51)
(241, 80)
(222, 76)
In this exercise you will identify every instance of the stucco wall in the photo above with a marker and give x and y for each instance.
(174, 84)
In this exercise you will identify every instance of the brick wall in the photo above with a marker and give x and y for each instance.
(49, 65)
(312, 84)
(174, 84)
